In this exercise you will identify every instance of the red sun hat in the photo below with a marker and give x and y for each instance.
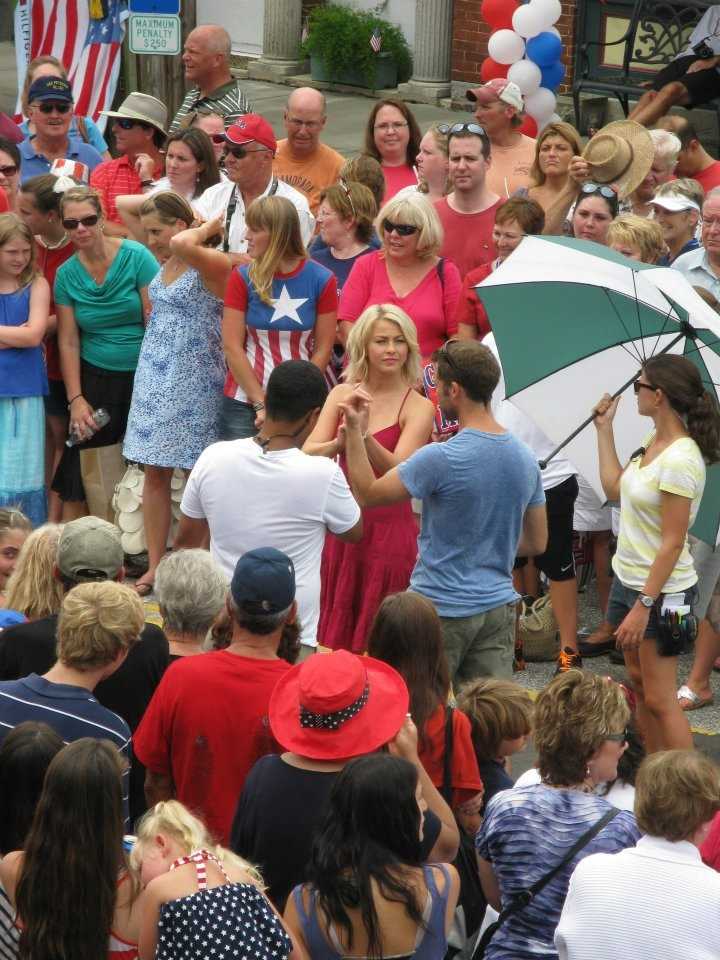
(338, 705)
(249, 127)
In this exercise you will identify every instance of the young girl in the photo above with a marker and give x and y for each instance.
(282, 306)
(14, 530)
(24, 308)
(197, 893)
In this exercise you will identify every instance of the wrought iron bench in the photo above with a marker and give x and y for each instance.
(657, 32)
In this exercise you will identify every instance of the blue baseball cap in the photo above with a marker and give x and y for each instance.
(50, 88)
(264, 581)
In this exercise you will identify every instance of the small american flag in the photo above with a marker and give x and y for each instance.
(305, 31)
(376, 40)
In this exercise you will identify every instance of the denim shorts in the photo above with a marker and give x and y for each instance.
(237, 419)
(623, 598)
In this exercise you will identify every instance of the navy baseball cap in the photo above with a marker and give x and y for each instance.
(50, 88)
(263, 582)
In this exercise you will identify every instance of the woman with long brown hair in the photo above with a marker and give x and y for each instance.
(550, 182)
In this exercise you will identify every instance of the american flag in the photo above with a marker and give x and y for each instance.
(305, 31)
(376, 40)
(89, 48)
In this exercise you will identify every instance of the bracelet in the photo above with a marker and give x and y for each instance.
(258, 406)
(71, 402)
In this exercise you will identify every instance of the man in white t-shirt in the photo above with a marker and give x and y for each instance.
(265, 492)
(250, 148)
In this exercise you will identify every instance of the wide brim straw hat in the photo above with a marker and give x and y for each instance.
(338, 705)
(621, 154)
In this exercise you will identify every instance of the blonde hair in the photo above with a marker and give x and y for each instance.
(97, 622)
(12, 518)
(558, 129)
(638, 232)
(686, 187)
(11, 227)
(498, 710)
(279, 217)
(442, 143)
(361, 332)
(81, 195)
(32, 588)
(417, 212)
(172, 818)
(30, 71)
(676, 791)
(573, 713)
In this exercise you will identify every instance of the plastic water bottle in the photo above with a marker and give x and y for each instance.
(100, 418)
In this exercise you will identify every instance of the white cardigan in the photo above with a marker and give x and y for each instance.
(654, 901)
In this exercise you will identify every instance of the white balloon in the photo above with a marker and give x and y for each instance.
(541, 104)
(554, 118)
(527, 75)
(548, 12)
(505, 46)
(528, 20)
(553, 30)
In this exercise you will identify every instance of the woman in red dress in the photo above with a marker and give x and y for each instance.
(385, 363)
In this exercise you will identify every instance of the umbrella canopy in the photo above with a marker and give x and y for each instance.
(574, 320)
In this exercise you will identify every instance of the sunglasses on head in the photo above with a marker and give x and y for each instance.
(346, 190)
(638, 386)
(9, 170)
(89, 221)
(125, 123)
(444, 354)
(49, 107)
(450, 128)
(217, 137)
(401, 229)
(601, 188)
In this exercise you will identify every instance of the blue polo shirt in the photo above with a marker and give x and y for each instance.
(667, 260)
(32, 164)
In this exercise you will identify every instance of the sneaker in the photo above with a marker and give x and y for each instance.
(568, 659)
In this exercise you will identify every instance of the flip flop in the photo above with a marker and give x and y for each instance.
(694, 702)
(144, 589)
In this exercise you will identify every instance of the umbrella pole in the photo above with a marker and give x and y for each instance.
(543, 463)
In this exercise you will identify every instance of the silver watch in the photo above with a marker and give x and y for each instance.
(646, 601)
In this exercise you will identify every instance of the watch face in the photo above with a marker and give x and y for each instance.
(647, 601)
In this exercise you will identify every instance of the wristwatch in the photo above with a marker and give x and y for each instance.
(646, 601)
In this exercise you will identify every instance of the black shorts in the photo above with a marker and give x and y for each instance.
(558, 561)
(701, 87)
(56, 399)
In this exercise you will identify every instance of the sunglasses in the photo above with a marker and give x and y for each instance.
(89, 221)
(401, 229)
(638, 386)
(57, 107)
(9, 171)
(622, 737)
(217, 137)
(444, 354)
(602, 189)
(450, 128)
(346, 190)
(126, 124)
(240, 152)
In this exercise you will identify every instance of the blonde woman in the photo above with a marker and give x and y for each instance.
(550, 182)
(33, 589)
(385, 363)
(407, 273)
(637, 238)
(431, 164)
(280, 306)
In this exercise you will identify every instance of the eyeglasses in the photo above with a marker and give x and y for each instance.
(240, 152)
(88, 221)
(346, 190)
(310, 124)
(638, 386)
(48, 107)
(601, 188)
(447, 129)
(125, 123)
(622, 737)
(391, 127)
(401, 229)
(9, 170)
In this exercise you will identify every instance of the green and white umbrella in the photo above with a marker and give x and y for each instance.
(574, 320)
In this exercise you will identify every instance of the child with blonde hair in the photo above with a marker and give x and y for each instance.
(500, 713)
(197, 893)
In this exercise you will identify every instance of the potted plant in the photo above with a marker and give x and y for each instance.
(339, 47)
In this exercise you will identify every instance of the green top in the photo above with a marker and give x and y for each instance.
(109, 316)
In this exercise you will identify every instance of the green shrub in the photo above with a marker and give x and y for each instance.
(340, 36)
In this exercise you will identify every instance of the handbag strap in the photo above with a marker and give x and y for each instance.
(524, 897)
(446, 789)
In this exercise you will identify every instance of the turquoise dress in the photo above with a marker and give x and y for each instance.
(177, 395)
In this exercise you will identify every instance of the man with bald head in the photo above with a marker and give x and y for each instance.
(206, 59)
(301, 160)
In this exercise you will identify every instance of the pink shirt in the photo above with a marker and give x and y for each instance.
(432, 305)
(396, 178)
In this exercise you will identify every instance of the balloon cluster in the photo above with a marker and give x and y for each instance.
(525, 47)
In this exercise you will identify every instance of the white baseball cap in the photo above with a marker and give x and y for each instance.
(675, 202)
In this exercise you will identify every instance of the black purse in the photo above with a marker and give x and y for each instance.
(523, 898)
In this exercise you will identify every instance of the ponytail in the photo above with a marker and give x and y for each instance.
(703, 424)
(680, 381)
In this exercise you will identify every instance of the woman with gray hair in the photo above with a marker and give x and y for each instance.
(191, 591)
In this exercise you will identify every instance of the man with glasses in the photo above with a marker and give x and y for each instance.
(138, 126)
(51, 111)
(468, 213)
(250, 148)
(301, 160)
(701, 267)
(483, 503)
(498, 108)
(206, 59)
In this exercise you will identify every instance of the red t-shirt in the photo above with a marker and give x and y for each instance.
(468, 236)
(470, 311)
(4, 205)
(710, 177)
(710, 849)
(48, 262)
(464, 771)
(117, 178)
(205, 726)
(396, 178)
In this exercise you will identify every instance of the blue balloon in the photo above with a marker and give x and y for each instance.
(544, 49)
(553, 75)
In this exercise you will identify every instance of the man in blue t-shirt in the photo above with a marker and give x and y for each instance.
(483, 504)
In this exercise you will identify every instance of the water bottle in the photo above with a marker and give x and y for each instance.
(100, 417)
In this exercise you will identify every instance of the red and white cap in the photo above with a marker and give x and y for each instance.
(498, 89)
(249, 127)
(63, 167)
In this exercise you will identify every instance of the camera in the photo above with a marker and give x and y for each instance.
(703, 50)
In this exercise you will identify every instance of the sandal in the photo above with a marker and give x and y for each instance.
(694, 702)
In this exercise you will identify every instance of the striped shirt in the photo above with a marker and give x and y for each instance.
(73, 712)
(117, 178)
(9, 933)
(227, 100)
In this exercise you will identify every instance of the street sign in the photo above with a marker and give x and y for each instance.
(155, 34)
(158, 7)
